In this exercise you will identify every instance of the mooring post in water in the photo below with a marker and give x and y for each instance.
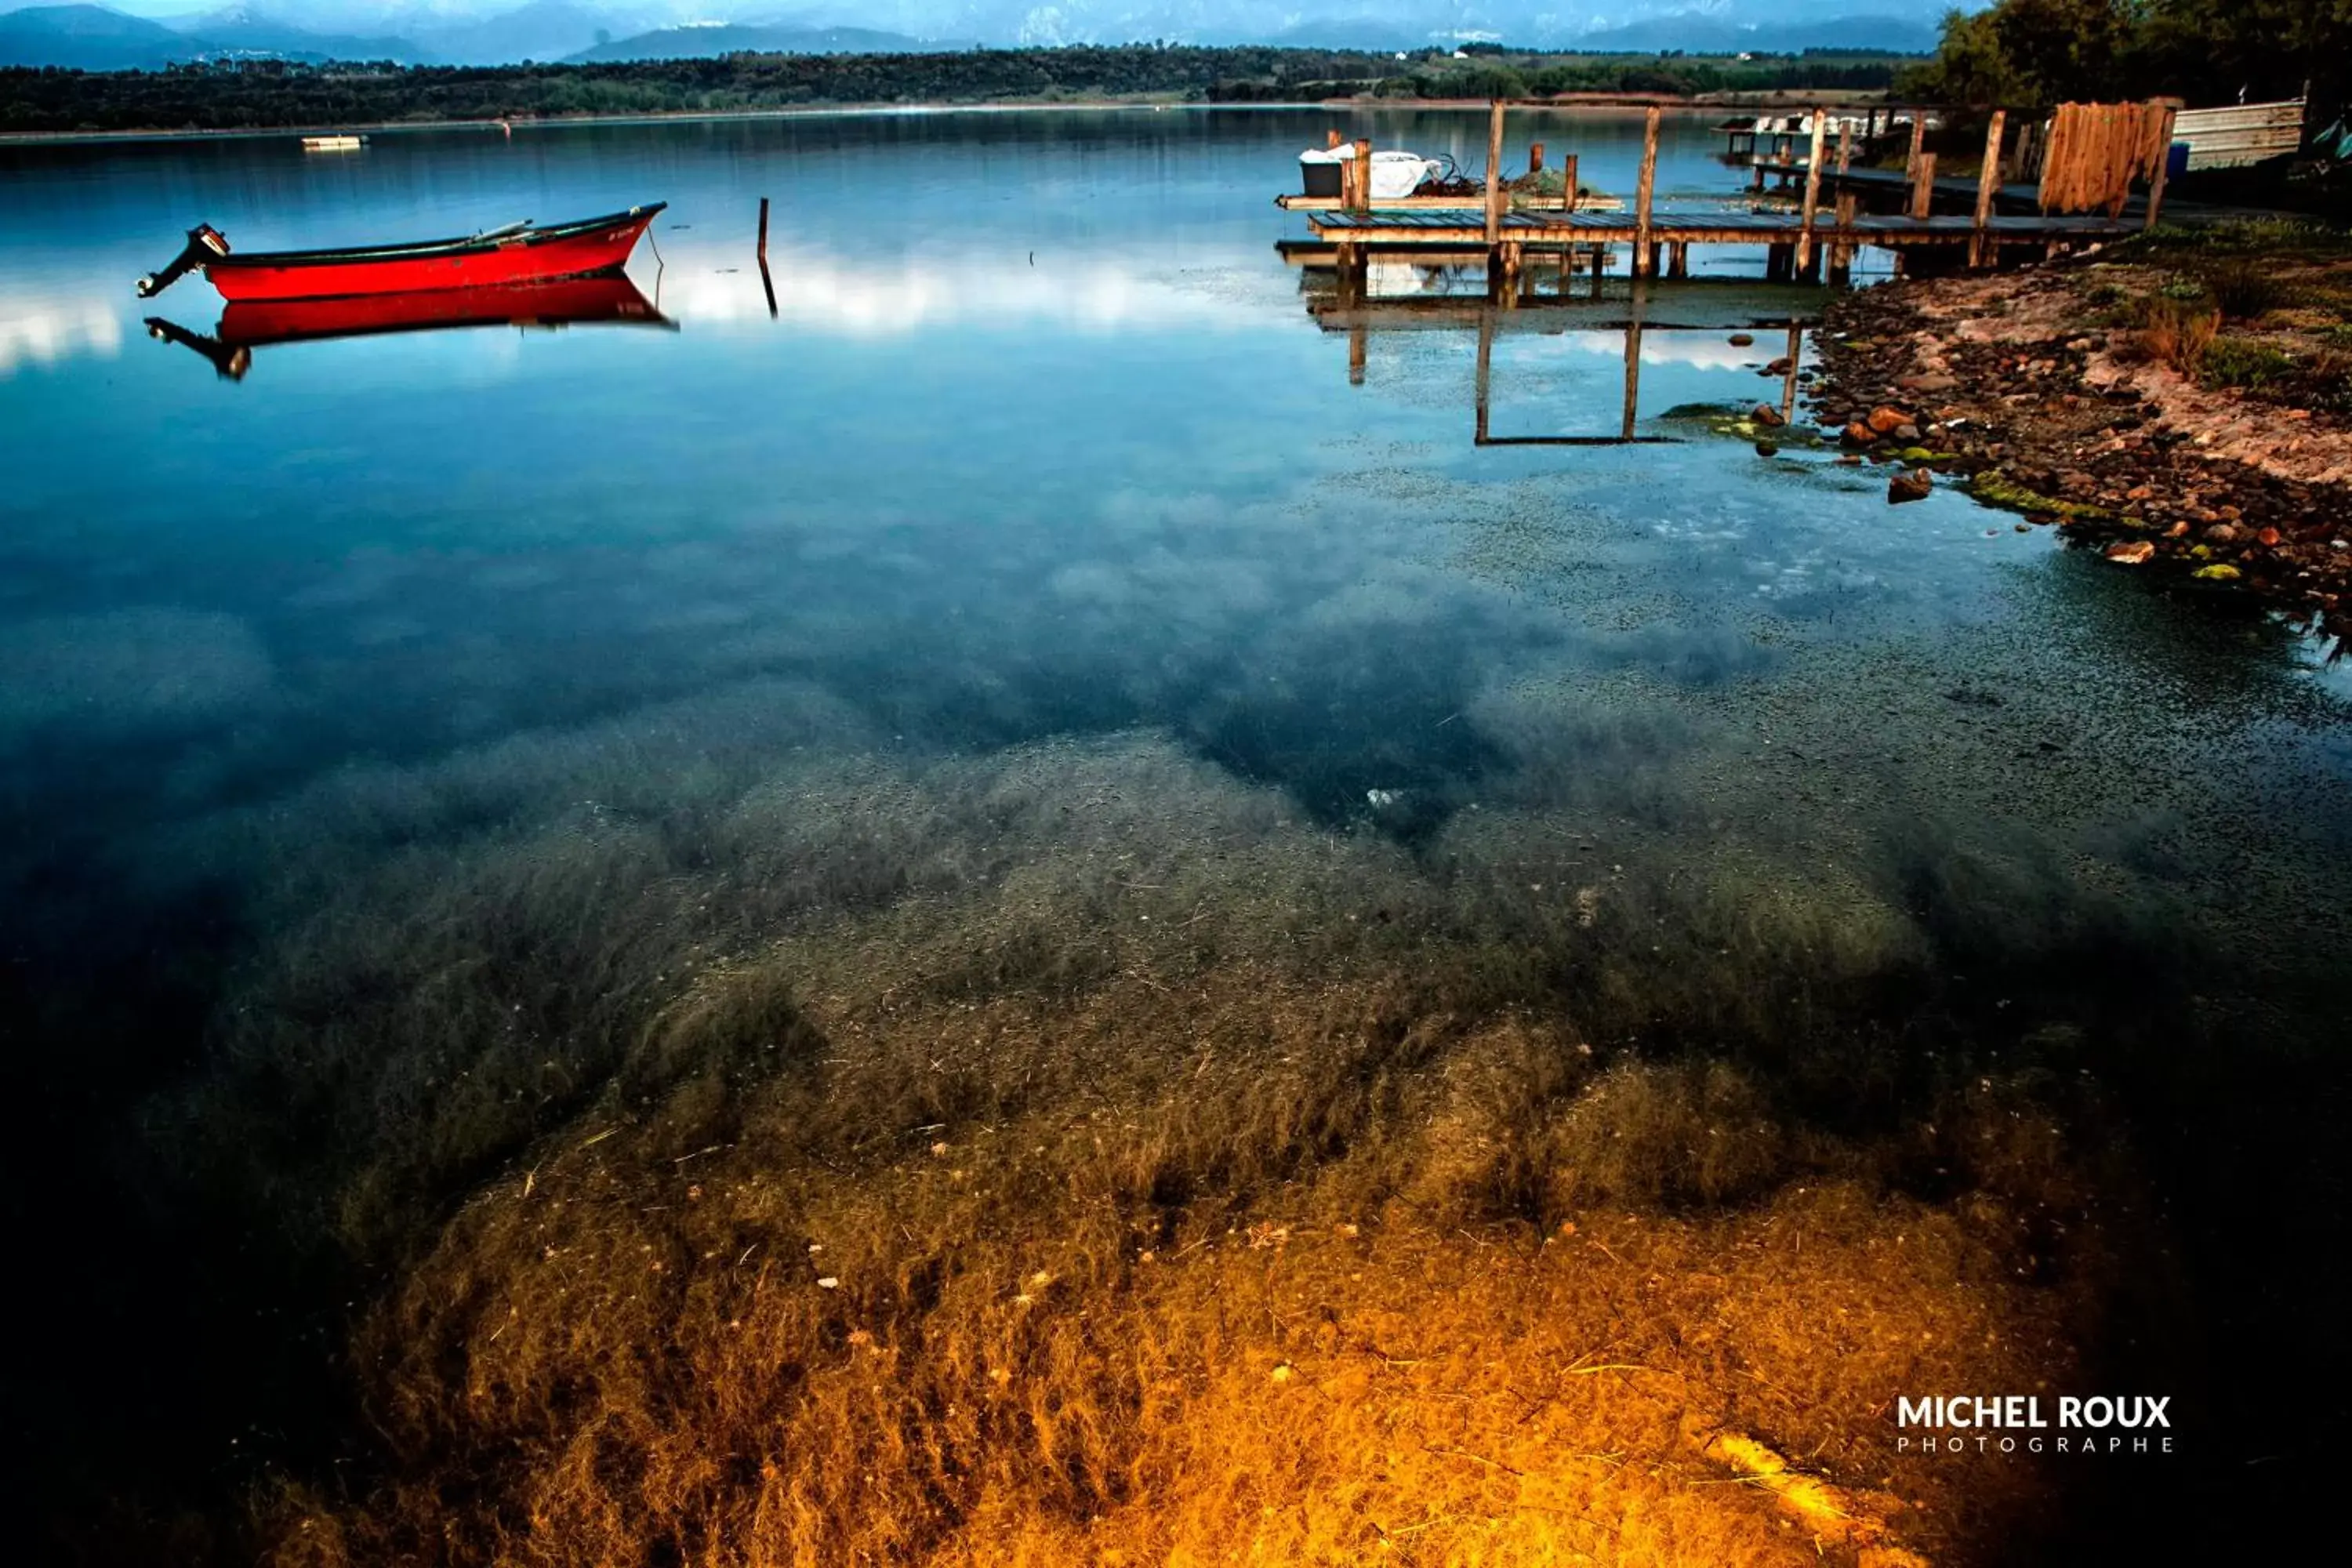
(1788, 382)
(2171, 109)
(1918, 143)
(1988, 183)
(1842, 247)
(1535, 157)
(1331, 138)
(1568, 183)
(1641, 191)
(1845, 146)
(1812, 189)
(1357, 336)
(1923, 186)
(1494, 171)
(1363, 167)
(763, 231)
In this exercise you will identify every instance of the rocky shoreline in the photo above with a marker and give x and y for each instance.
(2039, 391)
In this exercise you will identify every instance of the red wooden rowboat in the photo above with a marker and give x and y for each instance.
(518, 253)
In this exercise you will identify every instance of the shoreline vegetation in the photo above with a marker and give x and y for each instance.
(276, 95)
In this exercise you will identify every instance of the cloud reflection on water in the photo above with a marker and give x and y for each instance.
(37, 328)
(824, 291)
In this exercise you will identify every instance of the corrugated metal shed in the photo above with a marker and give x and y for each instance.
(2240, 133)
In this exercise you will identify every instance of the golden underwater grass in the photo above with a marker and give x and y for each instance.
(1075, 1156)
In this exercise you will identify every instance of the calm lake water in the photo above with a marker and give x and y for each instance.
(1040, 439)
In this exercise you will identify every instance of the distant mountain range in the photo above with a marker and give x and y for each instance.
(94, 38)
(686, 43)
(1694, 33)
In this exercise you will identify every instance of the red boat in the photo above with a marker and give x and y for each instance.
(518, 253)
(246, 326)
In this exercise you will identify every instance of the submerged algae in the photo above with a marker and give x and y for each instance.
(1990, 486)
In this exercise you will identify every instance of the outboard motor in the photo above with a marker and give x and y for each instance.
(205, 242)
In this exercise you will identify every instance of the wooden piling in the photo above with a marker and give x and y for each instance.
(2163, 162)
(1923, 185)
(1988, 184)
(1504, 267)
(1842, 248)
(1535, 157)
(1364, 167)
(1331, 137)
(763, 231)
(1494, 170)
(1788, 382)
(1812, 189)
(1568, 187)
(1643, 191)
(1918, 143)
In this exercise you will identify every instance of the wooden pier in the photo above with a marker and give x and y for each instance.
(1800, 245)
(1671, 237)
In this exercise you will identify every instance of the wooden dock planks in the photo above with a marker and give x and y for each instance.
(1459, 226)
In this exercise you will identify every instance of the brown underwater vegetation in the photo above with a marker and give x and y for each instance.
(1071, 1153)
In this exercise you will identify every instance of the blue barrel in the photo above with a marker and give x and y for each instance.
(2175, 160)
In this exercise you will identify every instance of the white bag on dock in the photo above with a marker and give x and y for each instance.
(1399, 173)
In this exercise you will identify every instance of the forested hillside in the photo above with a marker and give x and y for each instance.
(263, 94)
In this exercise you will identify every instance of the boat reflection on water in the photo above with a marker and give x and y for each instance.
(609, 298)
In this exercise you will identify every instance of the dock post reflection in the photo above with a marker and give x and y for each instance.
(1348, 299)
(1490, 318)
(1485, 381)
(1634, 360)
